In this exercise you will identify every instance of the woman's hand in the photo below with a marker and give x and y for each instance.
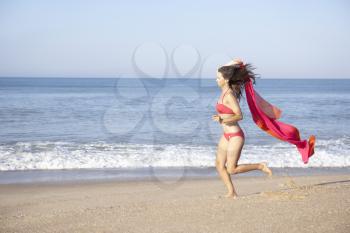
(234, 61)
(216, 118)
(237, 61)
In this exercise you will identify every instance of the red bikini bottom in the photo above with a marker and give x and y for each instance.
(230, 135)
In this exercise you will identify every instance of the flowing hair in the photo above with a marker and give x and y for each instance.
(237, 75)
(265, 115)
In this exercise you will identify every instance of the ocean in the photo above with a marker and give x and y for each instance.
(64, 128)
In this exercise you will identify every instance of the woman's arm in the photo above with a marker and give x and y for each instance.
(231, 119)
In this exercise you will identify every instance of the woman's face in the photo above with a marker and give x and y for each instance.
(220, 79)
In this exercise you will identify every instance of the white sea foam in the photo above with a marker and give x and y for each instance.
(69, 155)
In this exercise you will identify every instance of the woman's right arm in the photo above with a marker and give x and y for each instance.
(231, 119)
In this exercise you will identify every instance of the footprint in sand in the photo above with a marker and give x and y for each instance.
(280, 195)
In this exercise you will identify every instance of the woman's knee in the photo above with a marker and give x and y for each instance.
(220, 166)
(231, 170)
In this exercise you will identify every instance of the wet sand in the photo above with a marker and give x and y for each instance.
(315, 203)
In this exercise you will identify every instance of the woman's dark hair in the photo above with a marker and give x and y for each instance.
(237, 76)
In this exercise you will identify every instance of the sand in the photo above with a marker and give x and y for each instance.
(279, 204)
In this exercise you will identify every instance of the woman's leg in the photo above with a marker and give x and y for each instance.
(235, 146)
(221, 168)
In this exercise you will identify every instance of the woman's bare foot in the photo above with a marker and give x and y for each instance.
(231, 195)
(266, 169)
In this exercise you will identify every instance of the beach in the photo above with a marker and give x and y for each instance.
(308, 203)
(71, 159)
(116, 117)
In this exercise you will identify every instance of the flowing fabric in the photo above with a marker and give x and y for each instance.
(265, 116)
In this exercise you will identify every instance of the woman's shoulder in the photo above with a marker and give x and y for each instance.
(231, 94)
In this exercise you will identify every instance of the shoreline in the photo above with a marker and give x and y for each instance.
(147, 174)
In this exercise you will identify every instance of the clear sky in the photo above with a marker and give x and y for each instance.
(67, 38)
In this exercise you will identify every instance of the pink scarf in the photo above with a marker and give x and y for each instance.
(265, 116)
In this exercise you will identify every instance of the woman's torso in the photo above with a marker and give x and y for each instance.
(228, 127)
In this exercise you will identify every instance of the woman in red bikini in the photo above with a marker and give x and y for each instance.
(231, 79)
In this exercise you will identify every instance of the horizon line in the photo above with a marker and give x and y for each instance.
(96, 77)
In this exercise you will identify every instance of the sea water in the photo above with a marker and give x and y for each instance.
(50, 124)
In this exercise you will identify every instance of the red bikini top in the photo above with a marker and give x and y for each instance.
(223, 109)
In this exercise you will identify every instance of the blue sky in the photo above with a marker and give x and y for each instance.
(282, 39)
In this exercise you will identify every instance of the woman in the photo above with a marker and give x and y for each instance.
(231, 78)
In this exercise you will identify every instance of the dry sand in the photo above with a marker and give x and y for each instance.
(280, 204)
